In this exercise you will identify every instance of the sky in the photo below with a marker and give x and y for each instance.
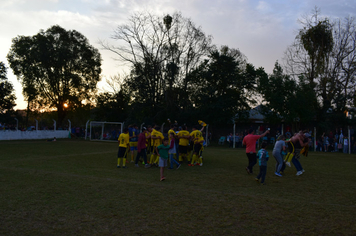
(261, 30)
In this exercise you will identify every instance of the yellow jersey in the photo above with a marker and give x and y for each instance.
(183, 141)
(157, 142)
(124, 140)
(197, 136)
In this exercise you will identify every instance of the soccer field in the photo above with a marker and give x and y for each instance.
(72, 187)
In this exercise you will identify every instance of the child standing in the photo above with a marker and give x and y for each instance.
(263, 158)
(162, 151)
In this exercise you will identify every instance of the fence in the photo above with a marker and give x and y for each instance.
(34, 133)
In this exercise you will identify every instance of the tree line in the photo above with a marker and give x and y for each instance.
(176, 72)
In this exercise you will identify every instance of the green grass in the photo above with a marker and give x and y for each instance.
(72, 187)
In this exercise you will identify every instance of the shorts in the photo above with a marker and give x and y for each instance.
(197, 147)
(133, 144)
(162, 162)
(133, 148)
(183, 149)
(122, 152)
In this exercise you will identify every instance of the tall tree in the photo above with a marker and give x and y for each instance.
(223, 86)
(286, 99)
(324, 53)
(7, 96)
(56, 67)
(162, 51)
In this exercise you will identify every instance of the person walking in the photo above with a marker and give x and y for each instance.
(250, 142)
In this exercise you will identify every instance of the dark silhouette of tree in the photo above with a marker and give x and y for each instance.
(56, 67)
(324, 54)
(162, 51)
(223, 86)
(7, 96)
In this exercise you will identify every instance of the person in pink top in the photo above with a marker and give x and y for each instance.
(250, 142)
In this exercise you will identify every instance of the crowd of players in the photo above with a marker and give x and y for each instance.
(182, 146)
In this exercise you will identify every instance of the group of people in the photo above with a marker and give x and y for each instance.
(296, 145)
(336, 142)
(177, 145)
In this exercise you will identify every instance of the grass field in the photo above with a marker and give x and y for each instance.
(72, 187)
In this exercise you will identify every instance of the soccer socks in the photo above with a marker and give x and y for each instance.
(289, 157)
(118, 161)
(152, 158)
(194, 159)
(124, 162)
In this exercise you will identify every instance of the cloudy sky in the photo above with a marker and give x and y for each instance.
(262, 30)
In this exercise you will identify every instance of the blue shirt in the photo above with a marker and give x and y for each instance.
(262, 157)
(278, 147)
(132, 132)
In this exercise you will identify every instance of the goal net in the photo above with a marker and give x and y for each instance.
(105, 131)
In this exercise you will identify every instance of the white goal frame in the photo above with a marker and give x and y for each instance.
(102, 123)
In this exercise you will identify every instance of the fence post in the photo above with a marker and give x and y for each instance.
(314, 139)
(234, 137)
(36, 124)
(207, 134)
(86, 130)
(70, 125)
(17, 124)
(349, 138)
(55, 125)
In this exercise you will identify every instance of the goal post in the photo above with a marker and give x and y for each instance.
(105, 131)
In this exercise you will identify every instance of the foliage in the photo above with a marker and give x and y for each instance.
(7, 96)
(286, 99)
(324, 53)
(222, 86)
(56, 67)
(162, 51)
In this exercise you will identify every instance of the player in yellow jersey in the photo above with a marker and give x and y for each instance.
(157, 138)
(149, 141)
(133, 133)
(172, 134)
(123, 148)
(197, 138)
(183, 137)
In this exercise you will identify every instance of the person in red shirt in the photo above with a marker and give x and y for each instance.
(142, 148)
(250, 142)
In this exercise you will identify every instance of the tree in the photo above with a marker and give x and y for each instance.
(223, 86)
(162, 51)
(324, 53)
(7, 96)
(56, 67)
(113, 106)
(285, 99)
